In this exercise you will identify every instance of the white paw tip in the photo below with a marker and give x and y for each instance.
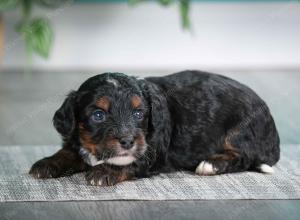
(265, 168)
(205, 168)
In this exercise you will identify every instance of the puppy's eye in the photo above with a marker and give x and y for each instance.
(98, 116)
(138, 114)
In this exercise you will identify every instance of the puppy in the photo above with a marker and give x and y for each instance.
(117, 128)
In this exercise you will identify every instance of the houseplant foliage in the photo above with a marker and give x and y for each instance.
(37, 31)
(184, 6)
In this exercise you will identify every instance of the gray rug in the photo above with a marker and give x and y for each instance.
(17, 185)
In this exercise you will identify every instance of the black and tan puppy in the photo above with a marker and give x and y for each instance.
(119, 128)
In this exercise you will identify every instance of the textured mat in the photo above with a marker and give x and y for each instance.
(17, 185)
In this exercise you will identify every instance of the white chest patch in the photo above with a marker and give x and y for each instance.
(121, 160)
(89, 158)
(92, 160)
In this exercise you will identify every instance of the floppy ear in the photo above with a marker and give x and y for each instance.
(159, 120)
(64, 117)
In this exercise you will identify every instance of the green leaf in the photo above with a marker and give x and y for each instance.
(184, 10)
(8, 4)
(38, 36)
(165, 2)
(26, 8)
(52, 3)
(184, 6)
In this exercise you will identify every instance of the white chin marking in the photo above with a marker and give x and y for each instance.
(205, 168)
(265, 168)
(120, 160)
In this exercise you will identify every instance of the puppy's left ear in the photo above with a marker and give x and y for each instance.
(159, 125)
(64, 117)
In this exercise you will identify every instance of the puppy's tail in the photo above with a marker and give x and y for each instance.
(265, 168)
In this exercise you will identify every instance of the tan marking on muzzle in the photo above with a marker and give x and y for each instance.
(113, 142)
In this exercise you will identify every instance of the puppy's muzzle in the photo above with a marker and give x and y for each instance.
(127, 142)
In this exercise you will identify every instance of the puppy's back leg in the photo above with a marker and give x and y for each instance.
(251, 147)
(229, 160)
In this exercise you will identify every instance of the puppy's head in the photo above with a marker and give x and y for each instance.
(108, 116)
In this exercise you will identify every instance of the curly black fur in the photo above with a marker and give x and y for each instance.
(189, 117)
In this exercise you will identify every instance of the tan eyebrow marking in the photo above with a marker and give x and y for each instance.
(136, 101)
(103, 103)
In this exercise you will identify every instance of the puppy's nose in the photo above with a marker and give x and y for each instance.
(126, 142)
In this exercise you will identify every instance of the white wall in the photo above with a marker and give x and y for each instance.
(117, 36)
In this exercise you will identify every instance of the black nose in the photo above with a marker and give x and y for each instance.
(126, 142)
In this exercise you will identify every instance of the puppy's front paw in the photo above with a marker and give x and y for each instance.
(101, 177)
(44, 169)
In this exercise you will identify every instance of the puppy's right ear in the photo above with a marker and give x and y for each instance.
(64, 117)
